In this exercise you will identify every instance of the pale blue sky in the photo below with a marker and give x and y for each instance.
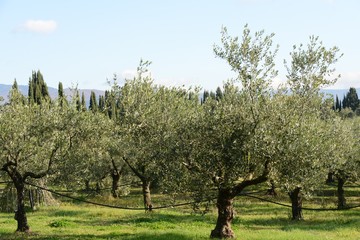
(85, 42)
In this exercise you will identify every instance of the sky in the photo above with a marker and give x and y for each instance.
(84, 43)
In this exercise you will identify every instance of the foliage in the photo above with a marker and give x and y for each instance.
(311, 68)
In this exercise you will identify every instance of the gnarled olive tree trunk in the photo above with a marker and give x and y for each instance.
(115, 176)
(225, 201)
(271, 190)
(19, 183)
(340, 193)
(296, 204)
(145, 185)
(20, 214)
(225, 215)
(146, 194)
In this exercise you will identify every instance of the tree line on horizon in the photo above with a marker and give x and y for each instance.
(168, 138)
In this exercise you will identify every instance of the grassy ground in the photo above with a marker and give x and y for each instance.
(254, 220)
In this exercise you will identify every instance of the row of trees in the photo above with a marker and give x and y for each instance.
(350, 101)
(246, 134)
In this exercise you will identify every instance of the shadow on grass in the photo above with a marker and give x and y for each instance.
(139, 236)
(153, 219)
(306, 225)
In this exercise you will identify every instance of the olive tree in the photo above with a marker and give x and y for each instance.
(304, 144)
(88, 161)
(32, 143)
(145, 127)
(345, 163)
(219, 153)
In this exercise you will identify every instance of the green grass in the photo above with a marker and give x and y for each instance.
(254, 220)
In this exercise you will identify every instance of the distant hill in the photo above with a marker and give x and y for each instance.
(5, 89)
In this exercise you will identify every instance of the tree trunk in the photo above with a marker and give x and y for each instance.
(31, 199)
(20, 214)
(115, 183)
(225, 215)
(330, 178)
(87, 185)
(146, 194)
(340, 193)
(98, 188)
(271, 191)
(296, 204)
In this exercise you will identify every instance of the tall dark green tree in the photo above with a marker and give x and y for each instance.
(31, 92)
(15, 95)
(93, 104)
(351, 100)
(101, 103)
(218, 93)
(77, 101)
(61, 95)
(83, 103)
(38, 90)
(15, 85)
(206, 94)
(338, 106)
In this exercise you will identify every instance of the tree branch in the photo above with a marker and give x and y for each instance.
(262, 178)
(7, 165)
(44, 173)
(137, 173)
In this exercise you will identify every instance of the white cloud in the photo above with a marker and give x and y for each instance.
(40, 26)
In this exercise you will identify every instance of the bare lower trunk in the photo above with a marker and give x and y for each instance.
(115, 183)
(296, 204)
(147, 197)
(340, 193)
(225, 215)
(330, 178)
(20, 214)
(87, 185)
(98, 188)
(271, 191)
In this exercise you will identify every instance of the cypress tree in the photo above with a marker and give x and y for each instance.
(15, 95)
(337, 104)
(78, 104)
(352, 99)
(37, 95)
(61, 95)
(31, 92)
(60, 90)
(38, 90)
(44, 89)
(83, 103)
(107, 103)
(101, 103)
(344, 103)
(93, 105)
(218, 94)
(205, 96)
(15, 85)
